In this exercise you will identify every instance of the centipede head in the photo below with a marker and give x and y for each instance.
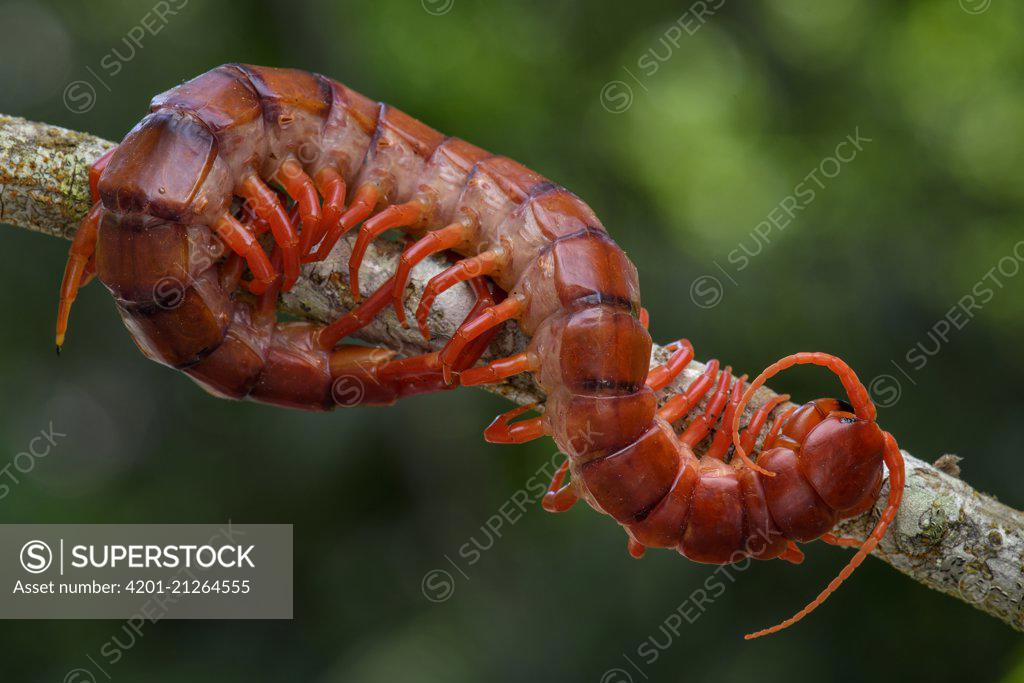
(841, 453)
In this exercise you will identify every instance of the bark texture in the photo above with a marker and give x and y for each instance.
(946, 536)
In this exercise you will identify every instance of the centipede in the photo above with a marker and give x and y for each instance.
(238, 177)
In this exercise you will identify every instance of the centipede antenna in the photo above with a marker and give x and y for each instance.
(894, 461)
(858, 395)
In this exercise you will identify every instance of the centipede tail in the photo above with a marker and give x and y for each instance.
(206, 210)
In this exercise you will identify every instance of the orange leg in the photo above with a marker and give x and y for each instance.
(432, 243)
(858, 395)
(483, 264)
(776, 426)
(363, 204)
(723, 439)
(508, 309)
(89, 273)
(699, 428)
(753, 428)
(560, 498)
(79, 255)
(332, 188)
(841, 541)
(683, 403)
(240, 240)
(356, 319)
(792, 554)
(301, 189)
(267, 206)
(96, 170)
(395, 216)
(645, 318)
(500, 369)
(661, 376)
(361, 316)
(502, 430)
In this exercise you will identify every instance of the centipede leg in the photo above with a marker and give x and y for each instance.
(503, 430)
(560, 498)
(363, 203)
(699, 428)
(776, 426)
(749, 436)
(356, 319)
(840, 541)
(489, 320)
(792, 553)
(482, 264)
(723, 439)
(500, 369)
(396, 216)
(645, 318)
(82, 249)
(661, 376)
(301, 189)
(268, 207)
(434, 242)
(96, 170)
(240, 240)
(683, 403)
(89, 273)
(332, 188)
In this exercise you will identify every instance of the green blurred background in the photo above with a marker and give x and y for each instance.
(683, 140)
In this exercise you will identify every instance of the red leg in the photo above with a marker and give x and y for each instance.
(683, 403)
(858, 395)
(894, 462)
(301, 189)
(753, 428)
(792, 554)
(661, 376)
(96, 170)
(508, 309)
(502, 430)
(636, 548)
(89, 273)
(422, 374)
(363, 204)
(723, 439)
(560, 498)
(332, 188)
(777, 425)
(645, 318)
(82, 248)
(395, 216)
(841, 541)
(268, 207)
(699, 428)
(431, 243)
(241, 241)
(356, 319)
(483, 264)
(500, 369)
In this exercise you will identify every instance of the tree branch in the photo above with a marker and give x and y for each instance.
(947, 536)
